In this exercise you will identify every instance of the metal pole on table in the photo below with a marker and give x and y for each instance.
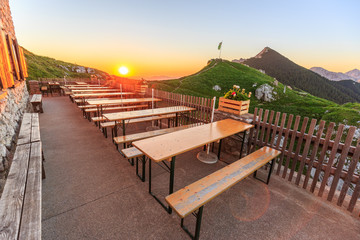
(152, 104)
(207, 156)
(212, 119)
(122, 104)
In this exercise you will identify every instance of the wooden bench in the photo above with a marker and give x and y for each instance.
(105, 125)
(20, 204)
(36, 102)
(193, 197)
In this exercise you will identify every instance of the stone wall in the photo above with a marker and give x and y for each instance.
(12, 107)
(5, 18)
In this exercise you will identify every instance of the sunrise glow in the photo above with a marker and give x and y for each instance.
(123, 70)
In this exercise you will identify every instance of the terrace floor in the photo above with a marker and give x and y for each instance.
(91, 192)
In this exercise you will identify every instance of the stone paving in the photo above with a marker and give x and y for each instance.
(91, 192)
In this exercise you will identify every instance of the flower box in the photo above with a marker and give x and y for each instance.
(233, 106)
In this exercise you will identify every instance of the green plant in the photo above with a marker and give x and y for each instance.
(236, 94)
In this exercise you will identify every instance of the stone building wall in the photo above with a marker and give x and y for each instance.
(5, 18)
(12, 107)
(14, 101)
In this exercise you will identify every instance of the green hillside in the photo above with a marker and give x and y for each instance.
(276, 65)
(226, 74)
(45, 67)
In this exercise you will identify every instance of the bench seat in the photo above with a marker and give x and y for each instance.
(36, 102)
(194, 196)
(104, 109)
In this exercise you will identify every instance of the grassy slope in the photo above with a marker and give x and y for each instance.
(226, 74)
(45, 67)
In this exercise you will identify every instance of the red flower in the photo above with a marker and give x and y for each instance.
(234, 93)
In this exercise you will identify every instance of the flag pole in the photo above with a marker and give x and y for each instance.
(220, 49)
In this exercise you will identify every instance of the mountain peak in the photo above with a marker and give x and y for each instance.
(260, 54)
(334, 76)
(355, 73)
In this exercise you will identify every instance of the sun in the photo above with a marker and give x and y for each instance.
(123, 70)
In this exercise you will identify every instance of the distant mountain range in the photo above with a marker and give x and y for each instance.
(337, 76)
(289, 73)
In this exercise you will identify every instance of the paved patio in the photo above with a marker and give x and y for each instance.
(91, 192)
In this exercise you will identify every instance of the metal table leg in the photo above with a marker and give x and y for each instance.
(171, 183)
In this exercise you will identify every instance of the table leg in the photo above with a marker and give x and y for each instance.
(115, 130)
(123, 127)
(176, 119)
(242, 145)
(171, 184)
(219, 148)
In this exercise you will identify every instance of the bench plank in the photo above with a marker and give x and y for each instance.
(11, 203)
(195, 195)
(31, 214)
(132, 152)
(25, 129)
(35, 128)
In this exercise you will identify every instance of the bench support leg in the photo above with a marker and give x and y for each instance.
(143, 160)
(269, 175)
(198, 216)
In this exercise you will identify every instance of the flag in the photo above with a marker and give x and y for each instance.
(219, 47)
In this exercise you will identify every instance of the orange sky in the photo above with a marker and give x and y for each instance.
(177, 38)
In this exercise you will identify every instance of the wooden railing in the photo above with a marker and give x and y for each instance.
(311, 161)
(203, 105)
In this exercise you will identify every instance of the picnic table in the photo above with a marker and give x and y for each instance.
(85, 95)
(123, 116)
(94, 90)
(100, 103)
(168, 146)
(83, 86)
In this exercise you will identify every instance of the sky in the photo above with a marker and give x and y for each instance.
(177, 38)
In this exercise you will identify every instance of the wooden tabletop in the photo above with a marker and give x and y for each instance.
(146, 113)
(121, 101)
(81, 83)
(94, 90)
(84, 95)
(166, 146)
